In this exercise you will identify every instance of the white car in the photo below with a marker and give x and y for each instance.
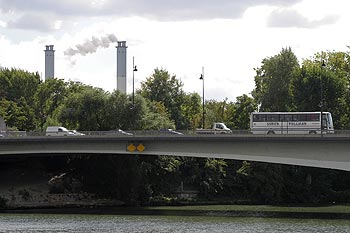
(116, 132)
(170, 131)
(76, 133)
(58, 131)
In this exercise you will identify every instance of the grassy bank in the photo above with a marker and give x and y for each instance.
(264, 211)
(261, 208)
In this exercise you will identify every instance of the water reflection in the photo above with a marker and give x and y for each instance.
(30, 223)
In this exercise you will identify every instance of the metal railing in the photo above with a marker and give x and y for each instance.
(156, 133)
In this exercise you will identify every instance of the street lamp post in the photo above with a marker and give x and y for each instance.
(203, 116)
(134, 68)
(321, 100)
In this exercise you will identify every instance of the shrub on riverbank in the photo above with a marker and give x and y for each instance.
(3, 202)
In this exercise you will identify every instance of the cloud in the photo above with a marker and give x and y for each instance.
(3, 24)
(42, 22)
(90, 46)
(53, 15)
(292, 18)
(24, 14)
(196, 9)
(42, 15)
(62, 7)
(158, 9)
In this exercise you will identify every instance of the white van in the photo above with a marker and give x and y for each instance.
(58, 131)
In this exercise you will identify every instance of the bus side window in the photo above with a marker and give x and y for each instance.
(313, 117)
(256, 118)
(288, 117)
(259, 118)
(269, 118)
(275, 117)
(282, 118)
(300, 117)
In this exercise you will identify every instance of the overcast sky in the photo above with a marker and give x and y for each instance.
(229, 38)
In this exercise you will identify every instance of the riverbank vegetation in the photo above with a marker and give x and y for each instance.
(281, 84)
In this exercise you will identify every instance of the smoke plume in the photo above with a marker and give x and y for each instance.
(91, 46)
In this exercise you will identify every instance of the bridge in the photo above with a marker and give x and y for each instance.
(329, 151)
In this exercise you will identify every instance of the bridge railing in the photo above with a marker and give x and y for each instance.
(170, 133)
(13, 134)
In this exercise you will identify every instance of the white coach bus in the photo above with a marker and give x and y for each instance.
(290, 123)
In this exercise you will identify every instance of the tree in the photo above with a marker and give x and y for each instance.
(306, 89)
(84, 110)
(239, 113)
(162, 87)
(161, 174)
(120, 114)
(338, 63)
(213, 174)
(191, 110)
(273, 81)
(47, 98)
(16, 84)
(266, 182)
(156, 117)
(13, 114)
(215, 111)
(17, 89)
(118, 177)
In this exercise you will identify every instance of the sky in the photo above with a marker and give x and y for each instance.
(227, 39)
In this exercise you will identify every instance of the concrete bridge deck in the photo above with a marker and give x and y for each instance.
(329, 151)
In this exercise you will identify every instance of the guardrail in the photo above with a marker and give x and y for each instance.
(121, 133)
(12, 134)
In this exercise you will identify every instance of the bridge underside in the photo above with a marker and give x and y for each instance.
(325, 152)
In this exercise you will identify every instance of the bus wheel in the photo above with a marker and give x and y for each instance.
(270, 132)
(312, 132)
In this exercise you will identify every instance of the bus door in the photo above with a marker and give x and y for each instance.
(328, 123)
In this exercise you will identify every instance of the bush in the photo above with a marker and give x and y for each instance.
(162, 200)
(3, 202)
(25, 194)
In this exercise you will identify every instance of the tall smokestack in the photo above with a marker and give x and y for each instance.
(121, 66)
(49, 62)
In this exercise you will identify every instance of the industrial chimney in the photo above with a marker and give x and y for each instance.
(121, 66)
(49, 62)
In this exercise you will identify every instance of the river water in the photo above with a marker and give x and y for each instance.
(57, 223)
